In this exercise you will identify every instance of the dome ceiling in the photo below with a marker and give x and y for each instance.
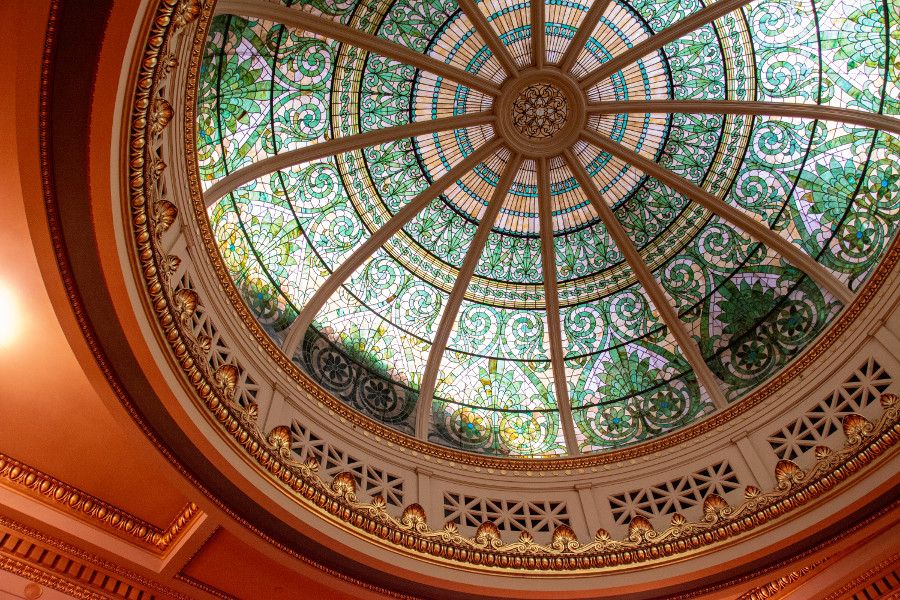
(538, 245)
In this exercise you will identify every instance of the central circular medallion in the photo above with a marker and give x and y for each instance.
(540, 111)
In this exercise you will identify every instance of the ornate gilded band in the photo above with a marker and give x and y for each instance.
(84, 505)
(71, 570)
(152, 216)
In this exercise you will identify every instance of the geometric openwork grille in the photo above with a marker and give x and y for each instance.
(220, 352)
(860, 390)
(508, 515)
(675, 495)
(371, 480)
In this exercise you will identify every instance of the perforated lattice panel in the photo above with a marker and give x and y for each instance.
(372, 480)
(246, 390)
(507, 515)
(674, 495)
(823, 419)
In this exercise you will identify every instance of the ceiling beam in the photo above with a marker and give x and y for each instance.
(737, 107)
(551, 297)
(585, 29)
(707, 14)
(490, 36)
(463, 277)
(334, 146)
(757, 229)
(329, 28)
(538, 33)
(654, 289)
(337, 278)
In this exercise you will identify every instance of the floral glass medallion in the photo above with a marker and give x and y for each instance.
(540, 110)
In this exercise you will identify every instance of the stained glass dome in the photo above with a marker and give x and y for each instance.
(535, 229)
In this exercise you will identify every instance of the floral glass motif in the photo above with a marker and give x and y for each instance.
(831, 188)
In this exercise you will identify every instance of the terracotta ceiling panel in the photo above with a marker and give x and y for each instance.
(50, 414)
(235, 569)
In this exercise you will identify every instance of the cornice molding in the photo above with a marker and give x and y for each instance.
(46, 560)
(776, 586)
(54, 582)
(864, 578)
(74, 501)
(204, 587)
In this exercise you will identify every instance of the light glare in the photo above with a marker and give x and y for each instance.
(10, 316)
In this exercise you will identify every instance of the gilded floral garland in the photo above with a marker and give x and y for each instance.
(43, 565)
(865, 441)
(152, 216)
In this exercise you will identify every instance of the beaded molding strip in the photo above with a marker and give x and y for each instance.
(215, 389)
(39, 484)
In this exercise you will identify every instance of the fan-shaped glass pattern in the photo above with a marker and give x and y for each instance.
(532, 241)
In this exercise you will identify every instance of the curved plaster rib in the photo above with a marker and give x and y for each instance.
(585, 29)
(489, 35)
(737, 107)
(347, 35)
(551, 297)
(321, 150)
(653, 288)
(466, 270)
(683, 27)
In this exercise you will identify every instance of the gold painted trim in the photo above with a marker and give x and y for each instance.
(215, 389)
(457, 457)
(31, 553)
(771, 589)
(82, 505)
(48, 580)
(203, 587)
(865, 442)
(796, 559)
(862, 580)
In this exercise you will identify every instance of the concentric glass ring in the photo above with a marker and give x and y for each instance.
(533, 241)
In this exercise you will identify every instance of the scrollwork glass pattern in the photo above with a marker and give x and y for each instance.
(831, 188)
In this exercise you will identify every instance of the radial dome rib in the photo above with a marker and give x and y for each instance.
(354, 37)
(743, 107)
(334, 146)
(473, 254)
(557, 355)
(760, 231)
(378, 238)
(653, 288)
(705, 15)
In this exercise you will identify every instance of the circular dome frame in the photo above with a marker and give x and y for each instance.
(725, 410)
(153, 215)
